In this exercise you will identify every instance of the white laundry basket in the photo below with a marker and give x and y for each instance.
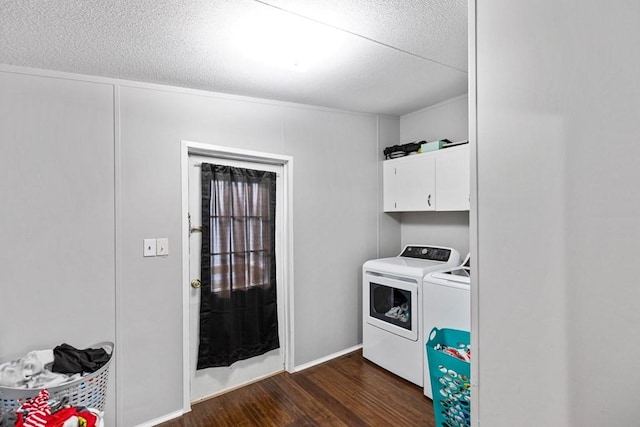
(89, 391)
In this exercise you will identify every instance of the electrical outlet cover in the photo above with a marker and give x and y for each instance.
(162, 247)
(149, 247)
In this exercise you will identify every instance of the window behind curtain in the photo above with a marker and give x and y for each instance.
(241, 234)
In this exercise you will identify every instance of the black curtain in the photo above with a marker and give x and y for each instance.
(238, 313)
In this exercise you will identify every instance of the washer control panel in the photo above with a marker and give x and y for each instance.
(430, 253)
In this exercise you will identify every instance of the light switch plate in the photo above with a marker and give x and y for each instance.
(149, 247)
(162, 247)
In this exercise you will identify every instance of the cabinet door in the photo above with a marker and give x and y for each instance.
(453, 179)
(389, 203)
(415, 183)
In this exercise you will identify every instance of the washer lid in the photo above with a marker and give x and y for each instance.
(405, 266)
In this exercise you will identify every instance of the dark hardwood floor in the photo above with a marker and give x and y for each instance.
(346, 391)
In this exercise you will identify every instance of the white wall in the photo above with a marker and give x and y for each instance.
(449, 229)
(57, 219)
(335, 222)
(450, 120)
(389, 223)
(64, 138)
(558, 97)
(445, 120)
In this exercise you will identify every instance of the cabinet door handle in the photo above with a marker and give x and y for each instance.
(429, 200)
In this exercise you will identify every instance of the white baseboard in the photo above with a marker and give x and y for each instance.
(326, 358)
(161, 419)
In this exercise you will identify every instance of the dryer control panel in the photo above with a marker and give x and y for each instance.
(429, 253)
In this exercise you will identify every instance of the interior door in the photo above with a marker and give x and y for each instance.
(209, 382)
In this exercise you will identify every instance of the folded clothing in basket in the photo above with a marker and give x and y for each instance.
(31, 372)
(51, 368)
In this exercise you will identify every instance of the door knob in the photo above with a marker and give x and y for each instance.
(195, 283)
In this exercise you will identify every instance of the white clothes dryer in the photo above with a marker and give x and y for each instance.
(392, 307)
(447, 304)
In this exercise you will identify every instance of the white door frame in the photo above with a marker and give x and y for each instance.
(216, 151)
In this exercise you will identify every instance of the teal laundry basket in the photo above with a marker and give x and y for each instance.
(450, 378)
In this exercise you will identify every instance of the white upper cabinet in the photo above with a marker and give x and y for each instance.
(453, 179)
(438, 180)
(409, 184)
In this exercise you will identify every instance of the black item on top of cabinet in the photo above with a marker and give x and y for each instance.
(396, 151)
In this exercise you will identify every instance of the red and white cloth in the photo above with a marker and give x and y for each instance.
(459, 353)
(35, 411)
(72, 417)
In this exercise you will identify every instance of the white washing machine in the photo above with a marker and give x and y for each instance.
(447, 304)
(392, 307)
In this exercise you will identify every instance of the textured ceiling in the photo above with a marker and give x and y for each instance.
(397, 56)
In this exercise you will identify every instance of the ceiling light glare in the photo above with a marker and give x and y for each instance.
(287, 41)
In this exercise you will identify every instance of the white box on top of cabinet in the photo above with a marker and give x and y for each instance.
(434, 181)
